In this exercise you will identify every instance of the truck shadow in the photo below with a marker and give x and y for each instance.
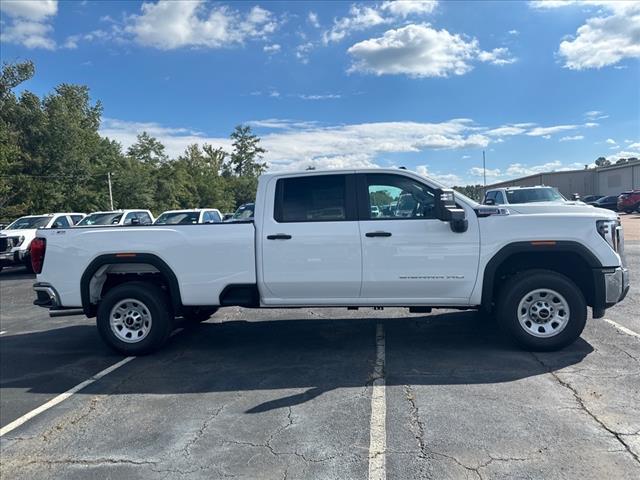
(314, 356)
(15, 273)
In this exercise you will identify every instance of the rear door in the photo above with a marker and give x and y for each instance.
(409, 256)
(311, 250)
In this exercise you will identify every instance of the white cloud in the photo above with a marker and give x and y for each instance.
(448, 179)
(34, 10)
(513, 32)
(595, 115)
(313, 19)
(29, 25)
(544, 131)
(270, 49)
(326, 96)
(168, 25)
(479, 172)
(610, 141)
(497, 56)
(362, 17)
(174, 139)
(634, 145)
(303, 50)
(421, 51)
(605, 39)
(572, 138)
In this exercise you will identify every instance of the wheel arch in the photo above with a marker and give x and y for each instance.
(571, 259)
(149, 259)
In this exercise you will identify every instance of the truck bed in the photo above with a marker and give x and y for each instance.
(204, 258)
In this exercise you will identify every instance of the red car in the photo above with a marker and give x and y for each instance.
(629, 201)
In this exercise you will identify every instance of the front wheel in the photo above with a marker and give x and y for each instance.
(134, 318)
(542, 310)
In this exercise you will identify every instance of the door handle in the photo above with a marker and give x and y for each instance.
(378, 234)
(279, 236)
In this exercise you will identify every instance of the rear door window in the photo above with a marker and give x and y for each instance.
(317, 198)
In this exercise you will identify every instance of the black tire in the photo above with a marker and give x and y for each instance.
(628, 211)
(150, 296)
(517, 289)
(198, 314)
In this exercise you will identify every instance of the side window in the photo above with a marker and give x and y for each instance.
(499, 198)
(76, 218)
(130, 216)
(397, 197)
(318, 198)
(207, 217)
(144, 218)
(61, 222)
(490, 196)
(215, 217)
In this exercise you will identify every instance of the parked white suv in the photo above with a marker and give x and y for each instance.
(189, 217)
(511, 195)
(117, 218)
(15, 239)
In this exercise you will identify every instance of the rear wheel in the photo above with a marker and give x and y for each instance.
(134, 318)
(542, 310)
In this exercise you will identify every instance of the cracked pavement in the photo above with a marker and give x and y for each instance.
(244, 396)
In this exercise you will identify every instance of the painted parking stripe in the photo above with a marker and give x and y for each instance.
(62, 397)
(622, 329)
(378, 433)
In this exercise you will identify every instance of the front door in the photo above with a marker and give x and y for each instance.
(409, 256)
(311, 252)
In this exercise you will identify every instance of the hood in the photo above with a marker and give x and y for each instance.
(577, 208)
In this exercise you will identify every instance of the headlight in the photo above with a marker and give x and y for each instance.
(611, 231)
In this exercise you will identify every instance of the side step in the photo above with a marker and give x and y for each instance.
(65, 312)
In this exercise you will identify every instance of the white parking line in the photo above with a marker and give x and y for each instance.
(378, 433)
(62, 397)
(622, 329)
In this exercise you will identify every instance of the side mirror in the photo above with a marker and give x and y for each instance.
(489, 201)
(447, 211)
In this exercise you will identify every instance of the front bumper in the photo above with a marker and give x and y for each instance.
(616, 285)
(17, 257)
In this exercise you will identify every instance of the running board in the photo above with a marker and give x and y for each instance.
(67, 312)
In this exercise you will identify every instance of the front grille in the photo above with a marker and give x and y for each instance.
(7, 243)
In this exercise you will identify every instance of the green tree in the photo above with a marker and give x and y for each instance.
(602, 162)
(247, 153)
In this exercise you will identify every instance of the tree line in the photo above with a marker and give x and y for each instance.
(53, 158)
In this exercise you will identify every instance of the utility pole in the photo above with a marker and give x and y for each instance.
(110, 192)
(484, 169)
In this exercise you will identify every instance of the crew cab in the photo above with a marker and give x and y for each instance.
(196, 215)
(15, 239)
(116, 218)
(314, 242)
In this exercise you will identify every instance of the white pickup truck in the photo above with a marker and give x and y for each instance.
(314, 242)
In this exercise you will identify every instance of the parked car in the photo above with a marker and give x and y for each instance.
(592, 198)
(243, 213)
(629, 201)
(116, 218)
(15, 239)
(609, 202)
(314, 242)
(511, 195)
(189, 217)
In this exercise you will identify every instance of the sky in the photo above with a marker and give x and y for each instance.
(429, 85)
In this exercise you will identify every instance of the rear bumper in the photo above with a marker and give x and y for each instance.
(46, 296)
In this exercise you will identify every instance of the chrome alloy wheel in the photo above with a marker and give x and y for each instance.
(543, 313)
(130, 320)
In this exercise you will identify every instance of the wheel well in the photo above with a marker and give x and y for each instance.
(567, 263)
(110, 271)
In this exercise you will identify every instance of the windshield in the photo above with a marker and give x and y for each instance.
(244, 212)
(531, 195)
(29, 222)
(101, 219)
(175, 218)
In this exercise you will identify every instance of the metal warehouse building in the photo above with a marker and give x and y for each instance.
(610, 180)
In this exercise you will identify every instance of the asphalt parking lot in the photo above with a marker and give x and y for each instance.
(328, 394)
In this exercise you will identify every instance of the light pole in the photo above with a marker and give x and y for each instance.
(110, 192)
